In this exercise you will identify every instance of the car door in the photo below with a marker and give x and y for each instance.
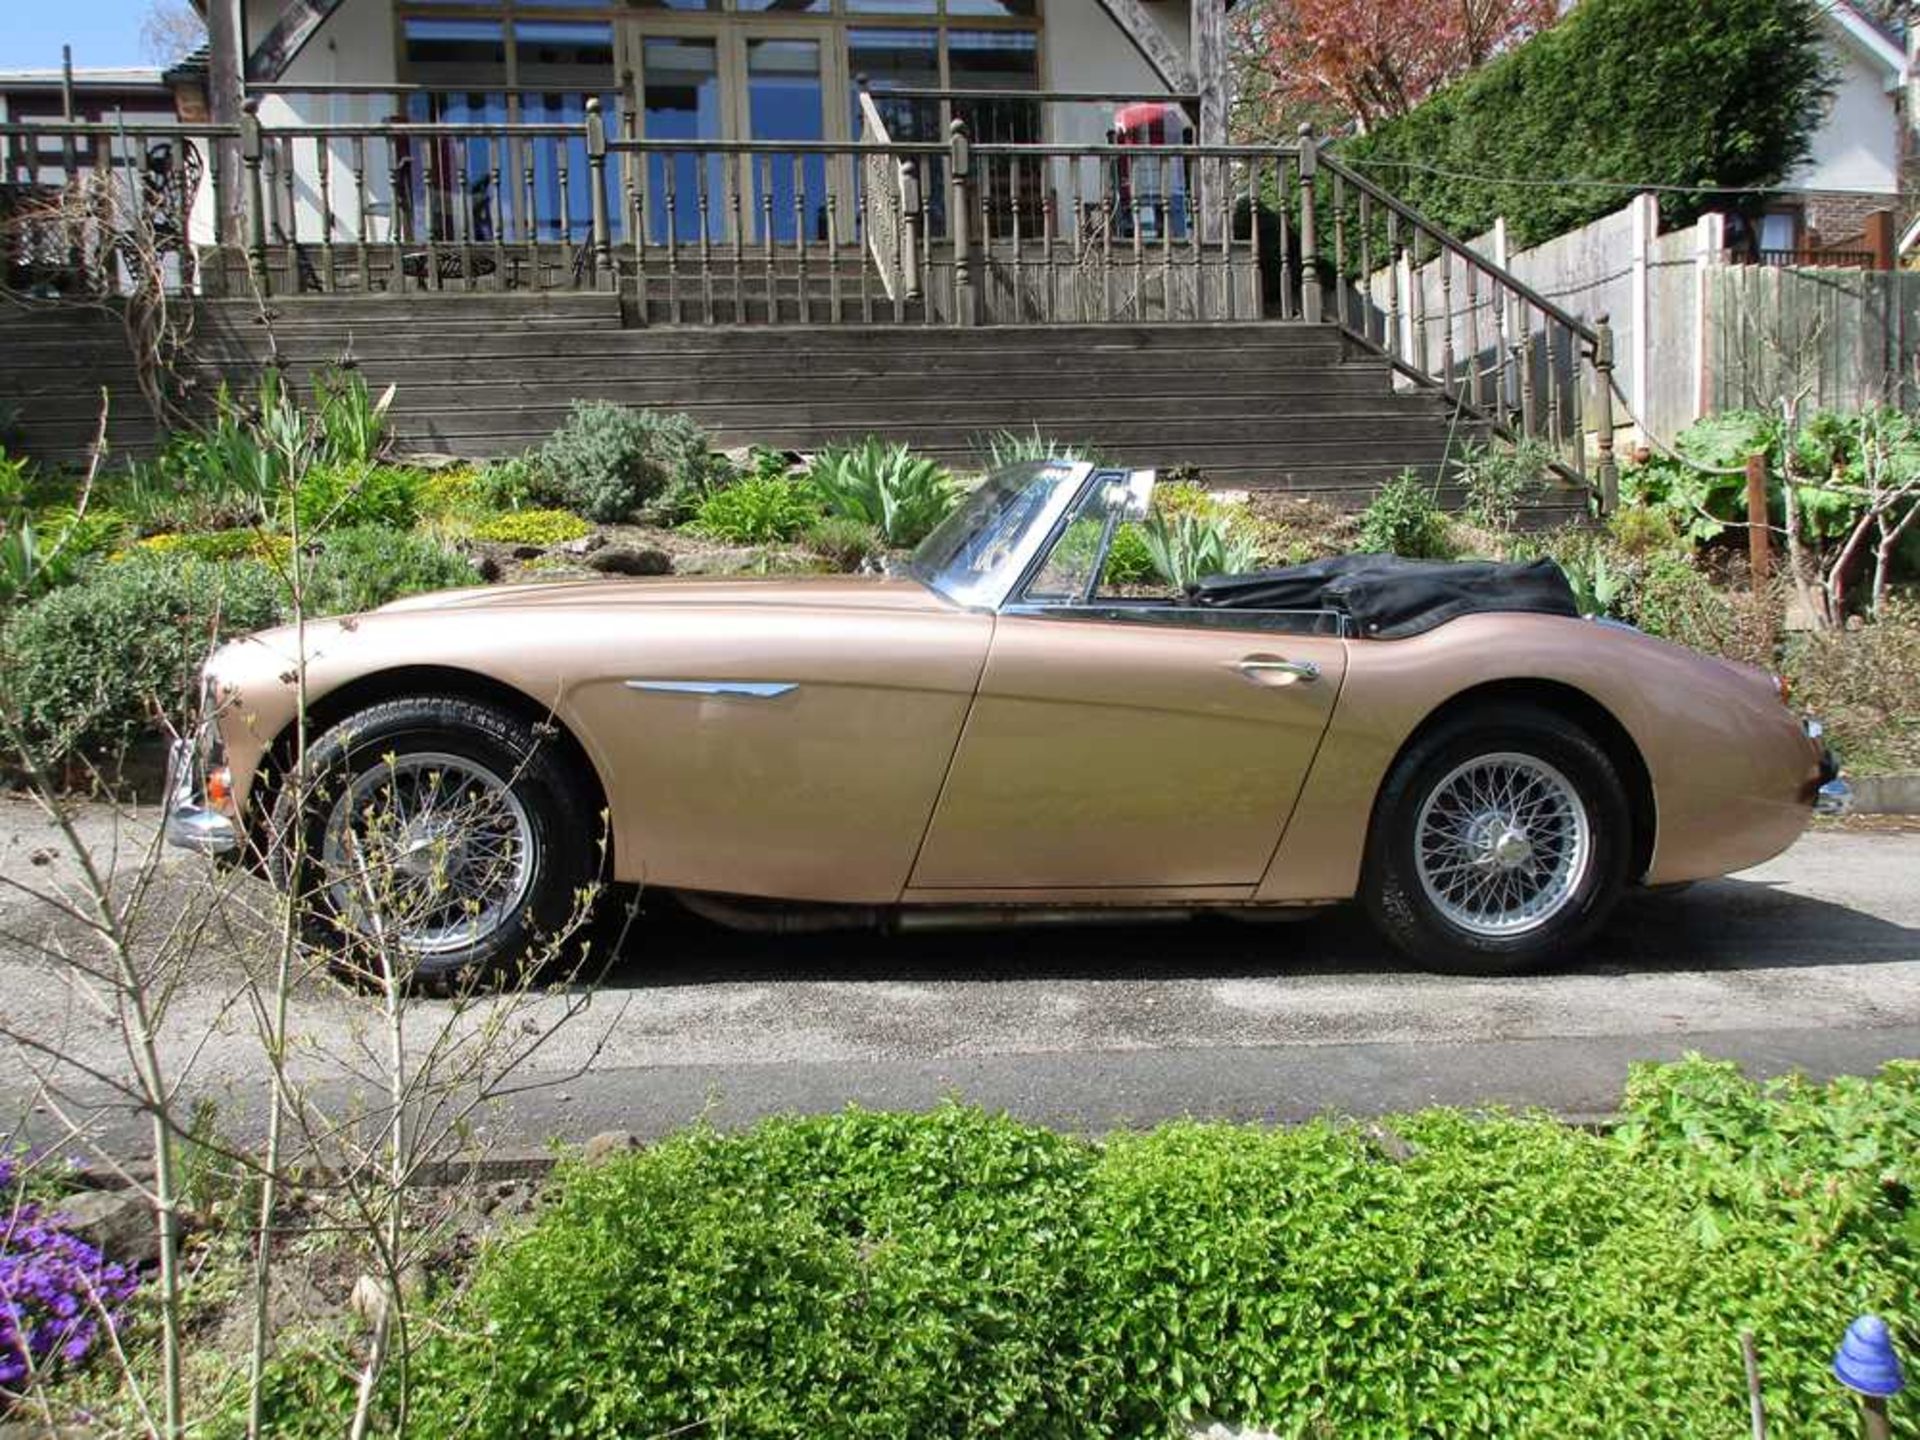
(1119, 745)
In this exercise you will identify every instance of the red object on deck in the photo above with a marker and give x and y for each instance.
(1152, 122)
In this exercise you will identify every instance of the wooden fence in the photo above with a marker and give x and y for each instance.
(1694, 333)
(1843, 339)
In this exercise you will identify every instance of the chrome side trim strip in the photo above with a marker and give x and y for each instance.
(750, 689)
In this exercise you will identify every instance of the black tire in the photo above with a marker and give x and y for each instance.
(1398, 898)
(561, 835)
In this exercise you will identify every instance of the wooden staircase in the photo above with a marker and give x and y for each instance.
(1286, 406)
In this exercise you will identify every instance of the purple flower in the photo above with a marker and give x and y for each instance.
(55, 1292)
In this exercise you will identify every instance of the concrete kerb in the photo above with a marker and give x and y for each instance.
(1886, 794)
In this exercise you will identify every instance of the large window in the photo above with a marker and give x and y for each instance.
(763, 70)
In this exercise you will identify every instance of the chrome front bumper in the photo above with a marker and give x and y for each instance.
(193, 823)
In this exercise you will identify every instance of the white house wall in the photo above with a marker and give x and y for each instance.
(1083, 49)
(1857, 147)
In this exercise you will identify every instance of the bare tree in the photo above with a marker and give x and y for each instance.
(177, 956)
(171, 31)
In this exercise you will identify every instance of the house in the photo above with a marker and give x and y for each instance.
(1849, 195)
(138, 96)
(796, 220)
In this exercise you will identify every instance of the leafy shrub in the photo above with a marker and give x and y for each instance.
(15, 480)
(1499, 480)
(1703, 498)
(220, 545)
(348, 494)
(1130, 560)
(607, 460)
(848, 543)
(1863, 685)
(1672, 598)
(758, 511)
(958, 1273)
(1643, 530)
(236, 470)
(462, 499)
(887, 486)
(1405, 519)
(41, 552)
(1187, 545)
(1729, 97)
(360, 569)
(56, 1291)
(533, 527)
(1188, 497)
(86, 667)
(504, 484)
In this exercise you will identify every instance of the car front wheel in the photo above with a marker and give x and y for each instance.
(1500, 842)
(438, 838)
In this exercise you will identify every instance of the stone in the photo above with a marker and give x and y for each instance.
(117, 1223)
(485, 568)
(623, 560)
(607, 1144)
(528, 552)
(586, 544)
(369, 1300)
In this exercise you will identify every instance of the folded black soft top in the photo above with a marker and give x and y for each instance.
(1388, 598)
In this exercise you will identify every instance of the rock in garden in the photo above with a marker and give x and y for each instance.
(585, 545)
(528, 552)
(117, 1223)
(485, 568)
(369, 1300)
(607, 1144)
(623, 560)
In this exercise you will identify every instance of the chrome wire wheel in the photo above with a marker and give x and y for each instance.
(1502, 844)
(430, 852)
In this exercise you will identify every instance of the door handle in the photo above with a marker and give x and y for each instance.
(1258, 669)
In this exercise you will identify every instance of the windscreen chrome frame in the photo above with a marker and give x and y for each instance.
(991, 592)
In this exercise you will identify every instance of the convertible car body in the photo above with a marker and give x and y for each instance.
(993, 729)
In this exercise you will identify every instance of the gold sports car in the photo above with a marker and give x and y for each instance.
(997, 730)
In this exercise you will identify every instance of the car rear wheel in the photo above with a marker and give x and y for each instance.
(1500, 842)
(440, 838)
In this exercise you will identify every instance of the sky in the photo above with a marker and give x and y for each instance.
(102, 32)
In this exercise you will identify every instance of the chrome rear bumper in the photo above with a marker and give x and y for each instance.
(1835, 797)
(1832, 795)
(192, 823)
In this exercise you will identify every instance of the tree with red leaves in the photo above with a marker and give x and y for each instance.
(1359, 62)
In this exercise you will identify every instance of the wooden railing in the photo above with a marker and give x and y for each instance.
(889, 207)
(945, 231)
(1446, 316)
(1818, 259)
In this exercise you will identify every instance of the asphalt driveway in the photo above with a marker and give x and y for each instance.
(1811, 961)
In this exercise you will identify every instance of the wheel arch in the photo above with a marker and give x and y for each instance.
(378, 686)
(1576, 705)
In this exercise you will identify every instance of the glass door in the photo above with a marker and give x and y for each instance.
(785, 98)
(682, 98)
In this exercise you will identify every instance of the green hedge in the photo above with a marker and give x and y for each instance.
(870, 1275)
(1646, 92)
(86, 669)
